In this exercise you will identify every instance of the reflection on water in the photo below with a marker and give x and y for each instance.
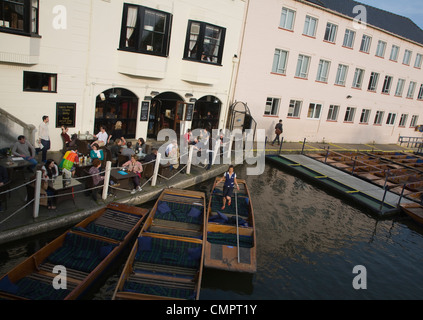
(308, 243)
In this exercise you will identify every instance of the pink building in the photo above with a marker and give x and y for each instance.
(327, 75)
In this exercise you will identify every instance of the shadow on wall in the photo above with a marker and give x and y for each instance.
(11, 127)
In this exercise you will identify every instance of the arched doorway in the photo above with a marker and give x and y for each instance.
(116, 104)
(206, 113)
(167, 110)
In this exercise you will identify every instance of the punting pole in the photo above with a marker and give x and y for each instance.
(237, 231)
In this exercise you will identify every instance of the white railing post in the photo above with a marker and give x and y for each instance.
(37, 189)
(106, 180)
(156, 169)
(229, 150)
(216, 151)
(190, 152)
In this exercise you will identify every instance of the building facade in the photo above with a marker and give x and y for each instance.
(151, 64)
(332, 70)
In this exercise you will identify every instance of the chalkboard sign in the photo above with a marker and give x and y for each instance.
(190, 110)
(144, 110)
(65, 114)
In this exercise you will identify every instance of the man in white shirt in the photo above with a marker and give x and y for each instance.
(101, 137)
(44, 137)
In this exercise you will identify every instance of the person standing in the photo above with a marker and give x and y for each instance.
(228, 186)
(44, 137)
(24, 149)
(278, 131)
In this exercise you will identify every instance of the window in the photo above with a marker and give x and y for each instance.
(420, 95)
(341, 75)
(302, 66)
(374, 78)
(390, 120)
(39, 82)
(19, 16)
(272, 106)
(365, 114)
(294, 108)
(400, 87)
(365, 43)
(379, 117)
(314, 110)
(407, 57)
(358, 78)
(310, 26)
(333, 113)
(204, 42)
(380, 50)
(323, 71)
(145, 30)
(413, 122)
(418, 62)
(411, 88)
(403, 120)
(279, 61)
(387, 84)
(287, 19)
(330, 33)
(349, 114)
(394, 53)
(349, 38)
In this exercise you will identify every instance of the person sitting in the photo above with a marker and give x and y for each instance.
(97, 179)
(50, 172)
(116, 133)
(140, 146)
(128, 151)
(69, 160)
(101, 137)
(151, 156)
(115, 148)
(96, 152)
(136, 167)
(24, 149)
(73, 142)
(189, 139)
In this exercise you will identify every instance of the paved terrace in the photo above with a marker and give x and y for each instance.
(16, 224)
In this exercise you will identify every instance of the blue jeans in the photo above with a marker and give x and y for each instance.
(33, 162)
(46, 146)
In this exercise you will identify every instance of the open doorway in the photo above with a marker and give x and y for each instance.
(206, 113)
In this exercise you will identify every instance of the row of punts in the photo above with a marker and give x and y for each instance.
(172, 243)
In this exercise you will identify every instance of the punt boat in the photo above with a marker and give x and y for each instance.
(166, 261)
(231, 236)
(413, 210)
(66, 267)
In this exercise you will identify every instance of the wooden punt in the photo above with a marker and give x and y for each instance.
(413, 210)
(166, 261)
(228, 246)
(86, 250)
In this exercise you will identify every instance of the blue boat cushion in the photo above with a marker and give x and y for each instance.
(37, 290)
(230, 239)
(171, 253)
(161, 291)
(7, 286)
(107, 232)
(144, 243)
(80, 252)
(219, 217)
(242, 204)
(180, 212)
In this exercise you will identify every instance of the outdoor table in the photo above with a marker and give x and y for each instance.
(13, 163)
(122, 177)
(63, 188)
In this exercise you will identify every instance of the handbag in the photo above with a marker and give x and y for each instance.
(278, 131)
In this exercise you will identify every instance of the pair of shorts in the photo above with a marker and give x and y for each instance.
(227, 191)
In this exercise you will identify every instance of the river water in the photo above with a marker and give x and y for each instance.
(308, 243)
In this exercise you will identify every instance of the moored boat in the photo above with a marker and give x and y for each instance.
(414, 211)
(67, 266)
(230, 245)
(166, 261)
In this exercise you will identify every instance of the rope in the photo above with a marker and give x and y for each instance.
(173, 175)
(22, 185)
(28, 203)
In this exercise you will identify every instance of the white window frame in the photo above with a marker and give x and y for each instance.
(400, 87)
(349, 114)
(294, 110)
(394, 53)
(310, 26)
(373, 81)
(349, 38)
(418, 61)
(287, 20)
(341, 74)
(358, 78)
(407, 57)
(366, 42)
(303, 64)
(365, 116)
(380, 50)
(387, 84)
(330, 33)
(280, 60)
(411, 89)
(272, 106)
(314, 110)
(323, 71)
(403, 120)
(390, 120)
(379, 117)
(414, 119)
(333, 112)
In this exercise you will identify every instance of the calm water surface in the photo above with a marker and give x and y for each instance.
(308, 243)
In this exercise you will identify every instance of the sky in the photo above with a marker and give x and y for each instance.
(412, 9)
